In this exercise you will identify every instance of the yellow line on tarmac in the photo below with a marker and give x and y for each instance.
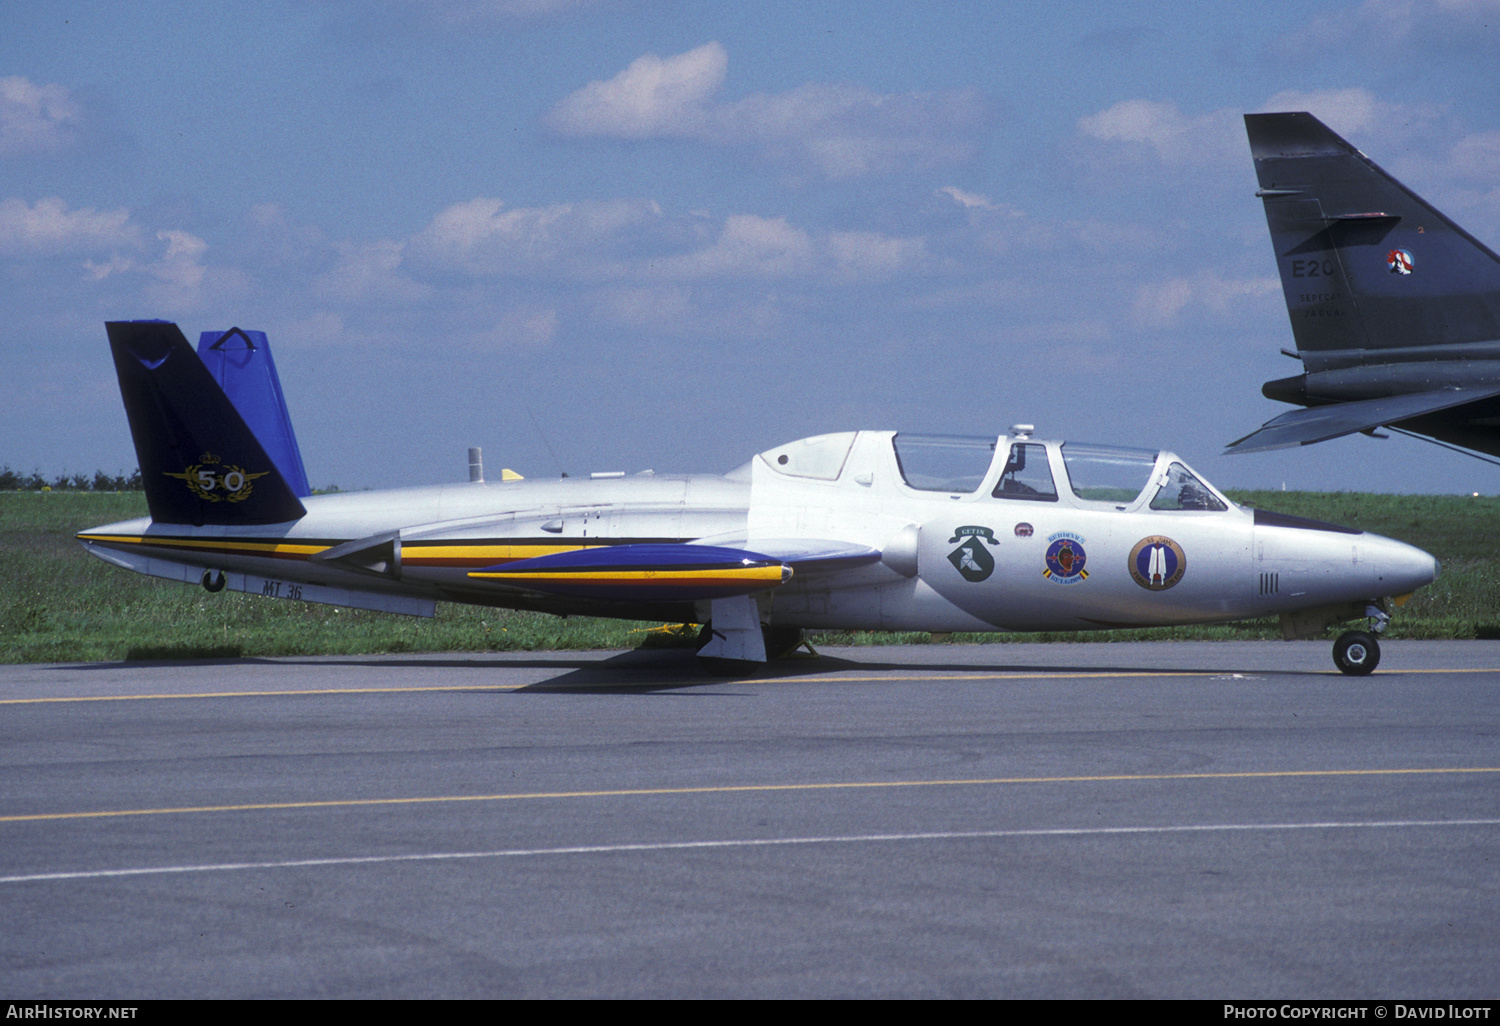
(1039, 674)
(260, 694)
(623, 683)
(812, 678)
(1126, 673)
(744, 788)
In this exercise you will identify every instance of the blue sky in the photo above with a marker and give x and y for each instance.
(612, 235)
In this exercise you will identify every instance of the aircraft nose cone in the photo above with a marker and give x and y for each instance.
(1399, 568)
(1311, 563)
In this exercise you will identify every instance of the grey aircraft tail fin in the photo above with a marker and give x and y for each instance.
(200, 461)
(1365, 263)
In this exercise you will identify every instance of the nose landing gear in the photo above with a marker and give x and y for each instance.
(1357, 653)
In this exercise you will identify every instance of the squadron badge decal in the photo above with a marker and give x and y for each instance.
(972, 559)
(1399, 261)
(212, 480)
(1065, 558)
(1157, 563)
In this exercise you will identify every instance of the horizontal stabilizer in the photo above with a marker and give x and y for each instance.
(643, 573)
(1320, 423)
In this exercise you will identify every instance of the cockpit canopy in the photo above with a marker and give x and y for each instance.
(1082, 474)
(1093, 475)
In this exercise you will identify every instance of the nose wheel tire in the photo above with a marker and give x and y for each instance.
(1356, 653)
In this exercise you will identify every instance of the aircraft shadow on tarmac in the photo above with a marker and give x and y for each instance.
(645, 671)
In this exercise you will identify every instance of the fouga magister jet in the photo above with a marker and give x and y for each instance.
(860, 530)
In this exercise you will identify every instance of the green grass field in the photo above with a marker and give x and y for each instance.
(58, 604)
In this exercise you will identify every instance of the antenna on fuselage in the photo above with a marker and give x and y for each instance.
(561, 472)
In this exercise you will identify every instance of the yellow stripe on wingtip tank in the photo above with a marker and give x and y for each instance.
(772, 574)
(447, 555)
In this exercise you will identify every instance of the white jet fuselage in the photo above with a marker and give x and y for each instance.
(874, 542)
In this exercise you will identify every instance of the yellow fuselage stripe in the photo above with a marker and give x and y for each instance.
(268, 548)
(413, 553)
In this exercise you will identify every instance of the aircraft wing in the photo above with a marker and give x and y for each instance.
(1320, 423)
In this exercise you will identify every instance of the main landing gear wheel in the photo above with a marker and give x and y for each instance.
(781, 641)
(1356, 653)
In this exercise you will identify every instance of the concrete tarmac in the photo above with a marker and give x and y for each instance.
(1210, 820)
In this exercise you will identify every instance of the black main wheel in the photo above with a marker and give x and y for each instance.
(781, 641)
(1356, 653)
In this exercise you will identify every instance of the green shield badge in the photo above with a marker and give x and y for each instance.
(971, 559)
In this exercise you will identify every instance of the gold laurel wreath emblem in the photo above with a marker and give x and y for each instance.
(218, 482)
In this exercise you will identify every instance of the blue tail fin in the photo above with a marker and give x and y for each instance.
(241, 362)
(200, 462)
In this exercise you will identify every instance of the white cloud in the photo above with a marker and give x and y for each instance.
(182, 263)
(838, 130)
(1138, 121)
(634, 241)
(481, 237)
(1346, 111)
(748, 247)
(1137, 130)
(649, 99)
(369, 272)
(50, 228)
(183, 280)
(1159, 304)
(970, 200)
(1171, 137)
(866, 256)
(36, 119)
(751, 247)
(846, 130)
(114, 265)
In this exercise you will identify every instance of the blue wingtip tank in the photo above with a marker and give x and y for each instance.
(644, 573)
